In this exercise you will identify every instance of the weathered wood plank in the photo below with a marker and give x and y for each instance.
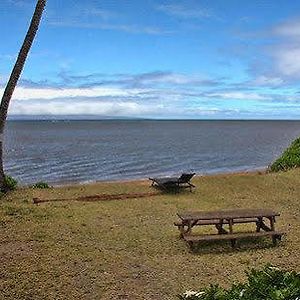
(216, 222)
(240, 235)
(227, 214)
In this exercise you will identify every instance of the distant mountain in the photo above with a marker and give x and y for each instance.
(67, 117)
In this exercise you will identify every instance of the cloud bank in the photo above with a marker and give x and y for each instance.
(158, 94)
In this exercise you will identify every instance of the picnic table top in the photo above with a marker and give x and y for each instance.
(227, 214)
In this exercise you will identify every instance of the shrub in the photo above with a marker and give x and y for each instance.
(269, 283)
(41, 185)
(10, 184)
(289, 159)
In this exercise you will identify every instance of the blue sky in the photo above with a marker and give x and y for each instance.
(190, 59)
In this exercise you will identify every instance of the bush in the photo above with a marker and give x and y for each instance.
(269, 283)
(41, 185)
(10, 184)
(289, 159)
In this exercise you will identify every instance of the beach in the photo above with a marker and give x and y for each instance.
(130, 249)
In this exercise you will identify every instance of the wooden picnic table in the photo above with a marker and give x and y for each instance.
(219, 218)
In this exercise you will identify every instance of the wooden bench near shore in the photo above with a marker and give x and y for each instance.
(227, 217)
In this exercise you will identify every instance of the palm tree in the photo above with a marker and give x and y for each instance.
(14, 77)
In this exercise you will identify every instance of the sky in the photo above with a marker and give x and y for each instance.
(181, 59)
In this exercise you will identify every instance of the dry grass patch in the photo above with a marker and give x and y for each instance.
(130, 249)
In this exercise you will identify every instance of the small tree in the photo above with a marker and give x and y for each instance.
(14, 77)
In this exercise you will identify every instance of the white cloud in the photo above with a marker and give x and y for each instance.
(20, 3)
(101, 13)
(264, 80)
(156, 94)
(182, 11)
(287, 60)
(22, 93)
(290, 28)
(129, 28)
(204, 110)
(278, 63)
(292, 98)
(286, 53)
(238, 95)
(90, 15)
(171, 78)
(79, 107)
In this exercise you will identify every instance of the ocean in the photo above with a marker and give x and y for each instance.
(62, 152)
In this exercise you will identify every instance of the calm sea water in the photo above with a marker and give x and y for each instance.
(82, 151)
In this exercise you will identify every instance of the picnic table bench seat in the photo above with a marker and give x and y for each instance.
(191, 239)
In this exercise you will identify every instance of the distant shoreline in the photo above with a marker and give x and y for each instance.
(68, 119)
(258, 171)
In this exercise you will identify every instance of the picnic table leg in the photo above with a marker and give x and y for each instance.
(185, 228)
(259, 224)
(189, 227)
(220, 228)
(272, 225)
(182, 230)
(233, 241)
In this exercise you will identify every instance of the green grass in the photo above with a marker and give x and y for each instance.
(290, 158)
(10, 184)
(40, 185)
(130, 249)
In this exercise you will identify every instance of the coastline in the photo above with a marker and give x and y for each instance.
(256, 171)
(103, 153)
(122, 189)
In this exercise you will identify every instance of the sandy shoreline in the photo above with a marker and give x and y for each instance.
(258, 171)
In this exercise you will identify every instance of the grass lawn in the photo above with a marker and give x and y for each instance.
(130, 249)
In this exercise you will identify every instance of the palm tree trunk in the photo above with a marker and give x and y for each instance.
(15, 75)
